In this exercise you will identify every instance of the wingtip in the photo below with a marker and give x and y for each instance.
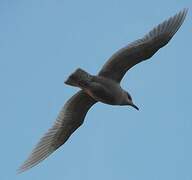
(186, 9)
(22, 169)
(19, 170)
(184, 12)
(25, 167)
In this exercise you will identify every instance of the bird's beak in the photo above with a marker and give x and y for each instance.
(133, 105)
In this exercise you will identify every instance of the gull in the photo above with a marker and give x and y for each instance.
(103, 87)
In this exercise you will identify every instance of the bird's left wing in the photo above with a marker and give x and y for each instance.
(69, 119)
(142, 49)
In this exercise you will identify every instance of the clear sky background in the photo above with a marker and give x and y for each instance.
(43, 41)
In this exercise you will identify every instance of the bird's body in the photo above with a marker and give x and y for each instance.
(106, 91)
(99, 88)
(104, 87)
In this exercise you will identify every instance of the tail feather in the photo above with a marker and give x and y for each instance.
(79, 78)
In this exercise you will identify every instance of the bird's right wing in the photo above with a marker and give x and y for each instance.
(70, 118)
(142, 49)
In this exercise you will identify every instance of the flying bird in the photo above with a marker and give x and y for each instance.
(103, 87)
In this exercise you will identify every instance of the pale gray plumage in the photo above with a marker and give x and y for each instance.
(104, 87)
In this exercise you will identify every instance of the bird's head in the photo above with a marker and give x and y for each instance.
(129, 100)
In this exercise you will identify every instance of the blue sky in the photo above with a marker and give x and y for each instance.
(42, 42)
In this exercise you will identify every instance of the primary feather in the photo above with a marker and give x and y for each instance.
(142, 49)
(69, 119)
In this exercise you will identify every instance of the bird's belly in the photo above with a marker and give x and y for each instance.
(103, 96)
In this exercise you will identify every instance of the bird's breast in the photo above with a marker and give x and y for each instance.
(105, 92)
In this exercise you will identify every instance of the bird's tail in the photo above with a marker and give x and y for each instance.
(79, 78)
